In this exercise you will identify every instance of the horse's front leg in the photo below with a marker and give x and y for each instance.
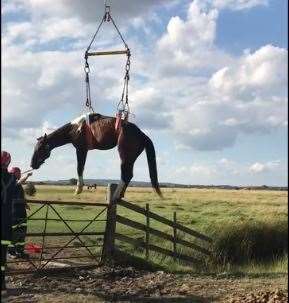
(81, 158)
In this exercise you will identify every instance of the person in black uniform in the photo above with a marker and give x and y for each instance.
(19, 216)
(8, 186)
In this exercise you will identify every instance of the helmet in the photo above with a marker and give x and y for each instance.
(16, 172)
(5, 159)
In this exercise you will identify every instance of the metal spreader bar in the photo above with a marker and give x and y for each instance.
(102, 53)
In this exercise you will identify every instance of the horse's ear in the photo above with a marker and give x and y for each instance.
(45, 137)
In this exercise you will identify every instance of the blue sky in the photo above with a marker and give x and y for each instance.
(208, 85)
(253, 28)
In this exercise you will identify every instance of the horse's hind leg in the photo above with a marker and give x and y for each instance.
(126, 176)
(130, 146)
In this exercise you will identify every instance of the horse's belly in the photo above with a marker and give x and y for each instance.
(104, 145)
(103, 138)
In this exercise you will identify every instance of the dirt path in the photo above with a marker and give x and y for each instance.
(129, 285)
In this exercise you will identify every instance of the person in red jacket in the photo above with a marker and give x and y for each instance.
(8, 187)
(19, 216)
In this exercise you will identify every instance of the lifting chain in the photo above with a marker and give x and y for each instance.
(123, 106)
(87, 86)
(123, 109)
(107, 17)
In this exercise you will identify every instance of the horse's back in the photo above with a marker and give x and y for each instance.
(100, 131)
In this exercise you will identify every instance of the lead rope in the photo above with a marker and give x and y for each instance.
(27, 171)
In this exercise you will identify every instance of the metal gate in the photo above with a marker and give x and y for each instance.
(62, 234)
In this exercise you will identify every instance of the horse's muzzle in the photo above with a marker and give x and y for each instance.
(36, 165)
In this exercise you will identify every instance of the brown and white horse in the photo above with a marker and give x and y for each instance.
(95, 131)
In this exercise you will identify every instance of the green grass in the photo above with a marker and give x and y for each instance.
(255, 241)
(248, 227)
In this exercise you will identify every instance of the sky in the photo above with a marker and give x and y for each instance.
(208, 85)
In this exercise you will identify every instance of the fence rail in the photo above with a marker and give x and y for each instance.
(155, 248)
(159, 234)
(57, 234)
(163, 220)
(68, 203)
(112, 234)
(67, 220)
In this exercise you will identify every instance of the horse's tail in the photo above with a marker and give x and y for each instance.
(151, 157)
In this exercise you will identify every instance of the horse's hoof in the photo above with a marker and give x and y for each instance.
(78, 190)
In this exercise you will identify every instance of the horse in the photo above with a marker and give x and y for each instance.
(91, 186)
(96, 131)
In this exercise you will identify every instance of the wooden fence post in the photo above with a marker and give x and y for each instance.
(175, 236)
(109, 235)
(147, 230)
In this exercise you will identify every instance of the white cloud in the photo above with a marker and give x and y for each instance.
(245, 94)
(258, 167)
(10, 7)
(231, 122)
(228, 171)
(238, 4)
(36, 84)
(200, 28)
(195, 173)
(258, 74)
(90, 10)
(189, 44)
(35, 34)
(226, 163)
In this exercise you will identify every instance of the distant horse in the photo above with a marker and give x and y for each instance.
(95, 131)
(91, 186)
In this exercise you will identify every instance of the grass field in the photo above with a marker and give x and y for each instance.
(226, 215)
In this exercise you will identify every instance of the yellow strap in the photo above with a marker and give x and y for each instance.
(5, 242)
(19, 243)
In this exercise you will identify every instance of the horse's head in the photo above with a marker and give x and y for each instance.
(41, 152)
